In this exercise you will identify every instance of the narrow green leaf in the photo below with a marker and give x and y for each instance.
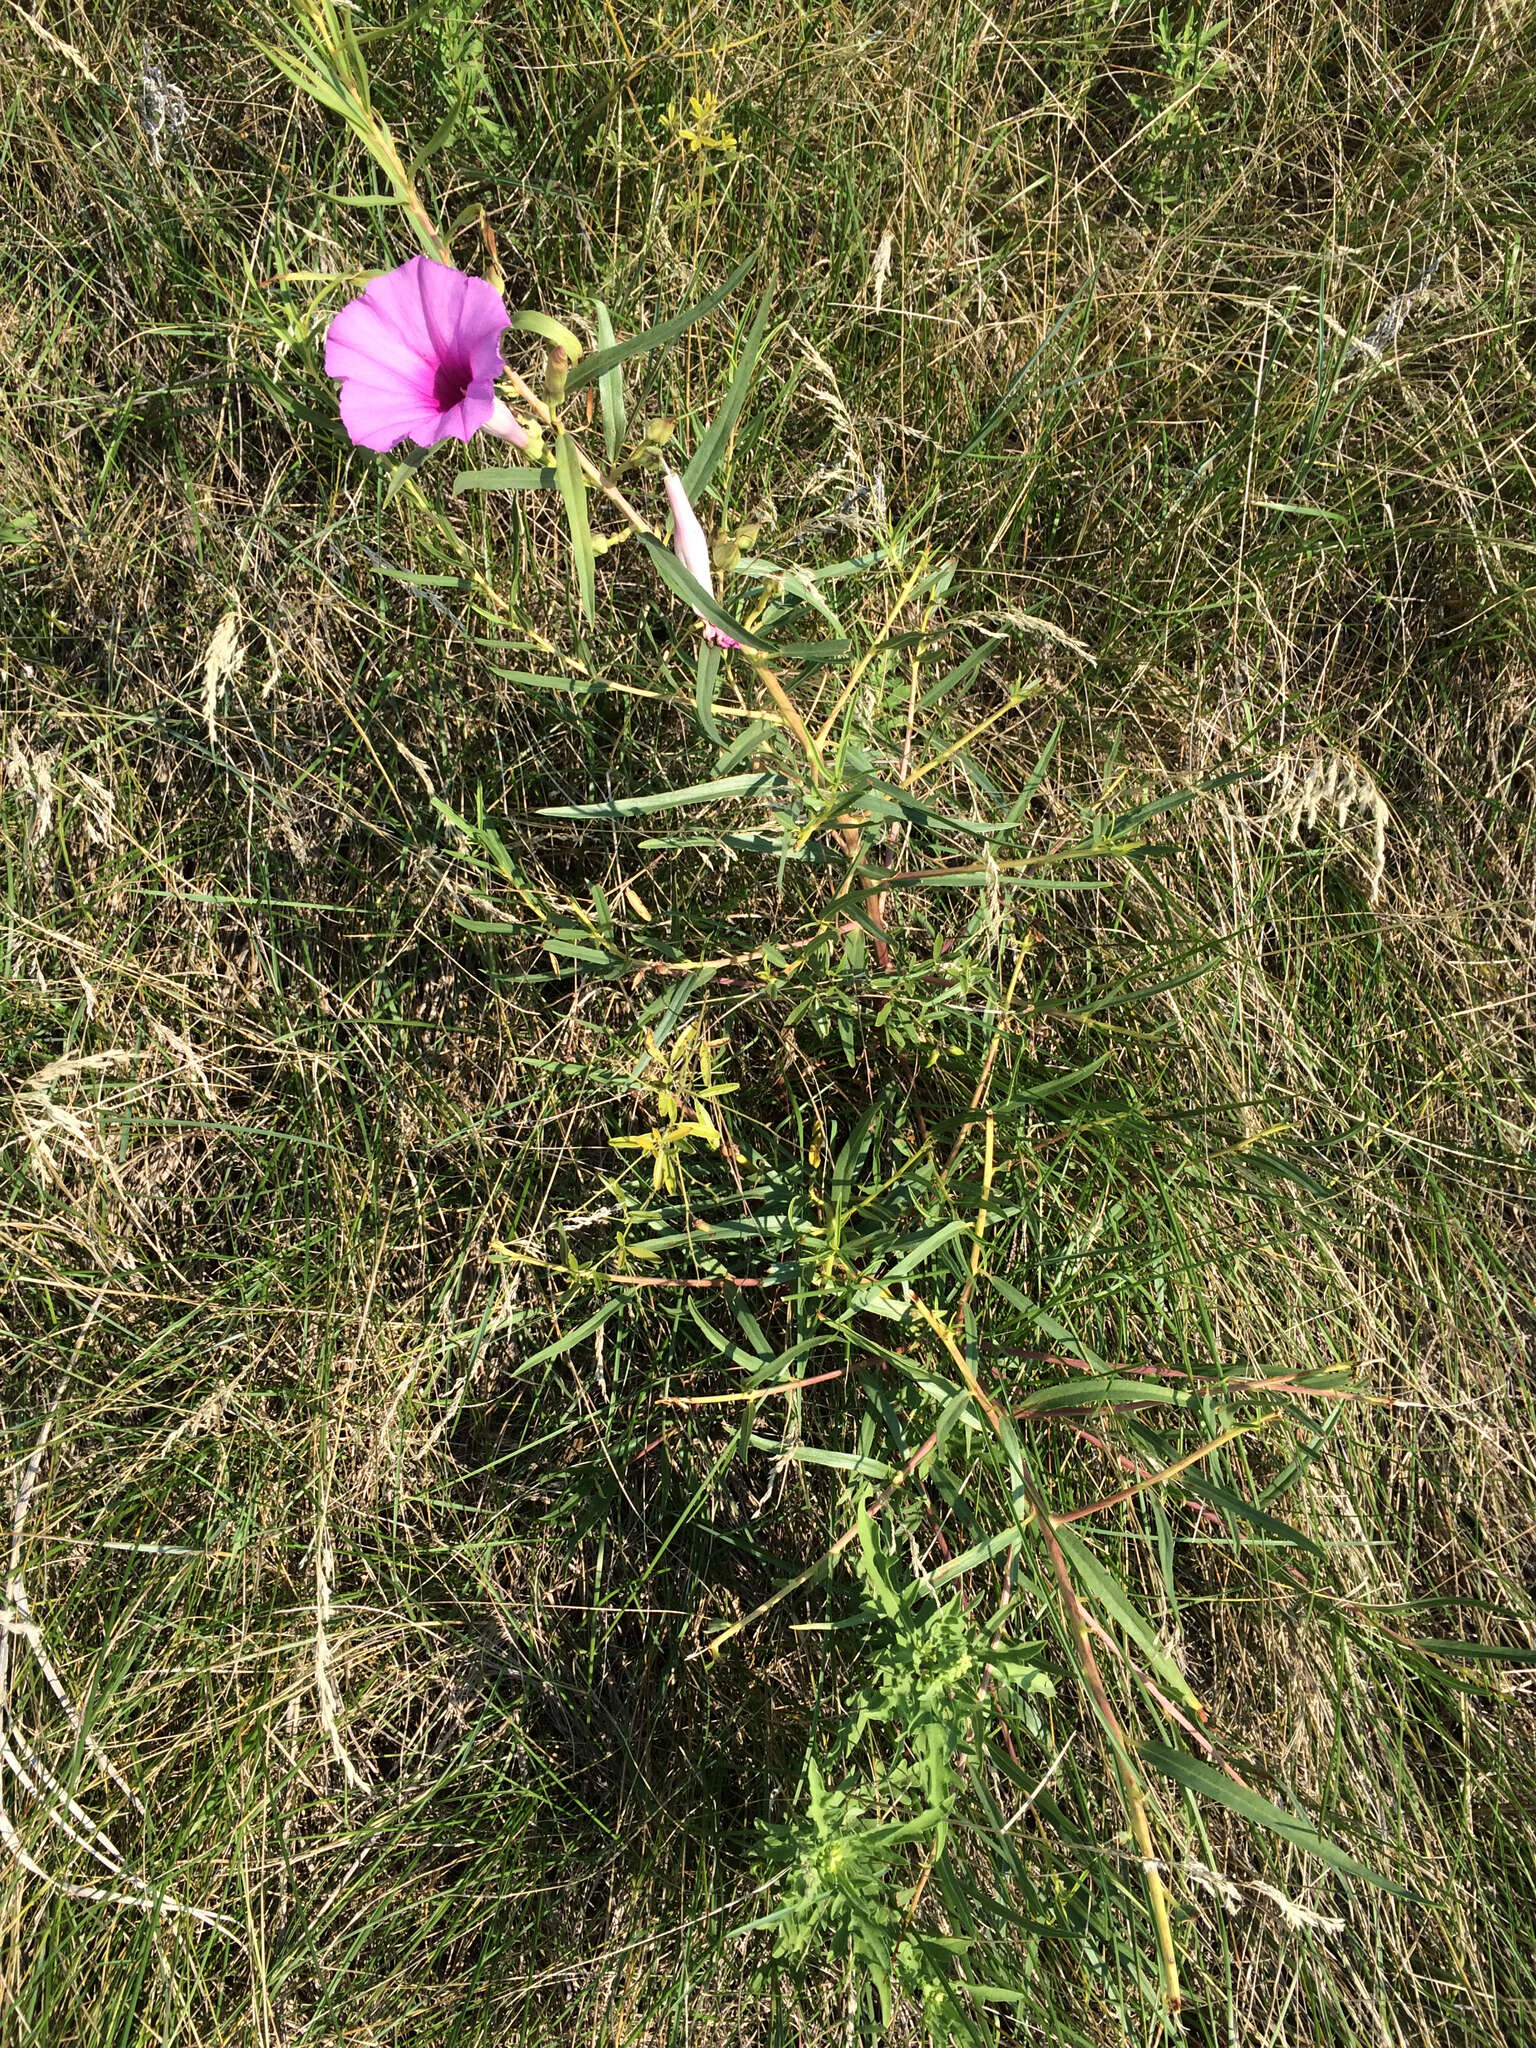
(878, 1301)
(846, 1165)
(1102, 1393)
(610, 390)
(1104, 1587)
(308, 75)
(833, 1461)
(693, 594)
(928, 1241)
(855, 565)
(573, 488)
(744, 746)
(527, 321)
(888, 800)
(1473, 1653)
(1026, 795)
(1020, 1105)
(707, 678)
(764, 1371)
(711, 449)
(1301, 511)
(573, 1337)
(403, 471)
(344, 46)
(1211, 1784)
(1244, 1511)
(604, 359)
(960, 673)
(1013, 396)
(560, 686)
(418, 579)
(800, 589)
(439, 139)
(564, 947)
(1007, 1539)
(502, 480)
(760, 784)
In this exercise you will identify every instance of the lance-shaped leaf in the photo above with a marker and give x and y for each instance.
(502, 480)
(707, 677)
(711, 449)
(610, 390)
(573, 488)
(548, 329)
(590, 368)
(1195, 1776)
(764, 784)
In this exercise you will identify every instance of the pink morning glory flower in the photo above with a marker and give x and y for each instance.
(691, 548)
(418, 356)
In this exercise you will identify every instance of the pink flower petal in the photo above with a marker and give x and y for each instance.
(359, 343)
(396, 299)
(691, 548)
(462, 421)
(440, 292)
(364, 328)
(483, 320)
(418, 355)
(382, 419)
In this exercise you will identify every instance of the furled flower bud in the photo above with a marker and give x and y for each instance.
(691, 548)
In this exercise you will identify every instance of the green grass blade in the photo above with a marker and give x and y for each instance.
(1214, 1785)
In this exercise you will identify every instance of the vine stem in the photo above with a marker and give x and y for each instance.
(378, 138)
(589, 469)
(381, 144)
(387, 155)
